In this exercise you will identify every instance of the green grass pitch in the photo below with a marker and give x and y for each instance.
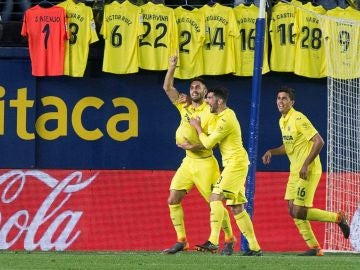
(188, 260)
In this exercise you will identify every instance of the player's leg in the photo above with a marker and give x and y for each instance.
(236, 175)
(303, 205)
(206, 173)
(305, 196)
(295, 191)
(180, 185)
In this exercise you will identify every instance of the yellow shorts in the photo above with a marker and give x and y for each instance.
(232, 182)
(201, 172)
(302, 191)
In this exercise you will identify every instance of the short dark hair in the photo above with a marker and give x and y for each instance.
(220, 92)
(199, 79)
(290, 91)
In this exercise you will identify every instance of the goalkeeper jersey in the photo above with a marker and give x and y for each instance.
(160, 39)
(82, 32)
(310, 58)
(191, 30)
(221, 29)
(46, 31)
(121, 29)
(283, 36)
(342, 37)
(245, 44)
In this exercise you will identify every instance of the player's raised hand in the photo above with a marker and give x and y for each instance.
(173, 61)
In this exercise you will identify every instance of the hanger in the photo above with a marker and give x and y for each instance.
(45, 4)
(211, 3)
(187, 6)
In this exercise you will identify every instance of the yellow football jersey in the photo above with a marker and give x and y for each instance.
(342, 40)
(245, 44)
(187, 132)
(82, 31)
(160, 39)
(296, 131)
(226, 133)
(191, 30)
(121, 29)
(221, 29)
(310, 58)
(283, 36)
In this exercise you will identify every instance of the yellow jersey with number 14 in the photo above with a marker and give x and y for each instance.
(221, 30)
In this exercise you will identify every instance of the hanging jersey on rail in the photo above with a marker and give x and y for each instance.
(82, 32)
(342, 41)
(121, 29)
(160, 39)
(46, 31)
(191, 30)
(283, 36)
(245, 44)
(221, 29)
(309, 50)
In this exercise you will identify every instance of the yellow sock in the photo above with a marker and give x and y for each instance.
(216, 220)
(246, 227)
(226, 226)
(177, 218)
(314, 214)
(306, 232)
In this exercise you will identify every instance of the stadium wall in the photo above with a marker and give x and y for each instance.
(86, 162)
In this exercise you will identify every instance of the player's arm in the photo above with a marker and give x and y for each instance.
(209, 141)
(318, 144)
(266, 158)
(192, 147)
(168, 86)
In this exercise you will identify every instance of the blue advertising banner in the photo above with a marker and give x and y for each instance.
(108, 121)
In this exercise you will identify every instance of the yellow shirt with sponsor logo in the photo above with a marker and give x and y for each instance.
(297, 131)
(226, 133)
(185, 131)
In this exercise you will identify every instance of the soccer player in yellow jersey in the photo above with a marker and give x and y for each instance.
(199, 167)
(302, 144)
(231, 184)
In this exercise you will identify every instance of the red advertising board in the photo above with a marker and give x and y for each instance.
(126, 210)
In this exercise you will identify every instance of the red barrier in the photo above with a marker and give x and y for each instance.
(126, 210)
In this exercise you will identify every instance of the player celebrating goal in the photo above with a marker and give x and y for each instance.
(199, 167)
(302, 144)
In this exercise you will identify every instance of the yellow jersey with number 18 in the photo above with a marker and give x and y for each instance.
(82, 32)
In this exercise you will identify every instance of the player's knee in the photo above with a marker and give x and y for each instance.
(298, 212)
(176, 197)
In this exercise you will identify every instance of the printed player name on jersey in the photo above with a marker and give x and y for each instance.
(118, 18)
(312, 20)
(217, 18)
(155, 17)
(246, 20)
(49, 19)
(284, 15)
(189, 21)
(75, 16)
